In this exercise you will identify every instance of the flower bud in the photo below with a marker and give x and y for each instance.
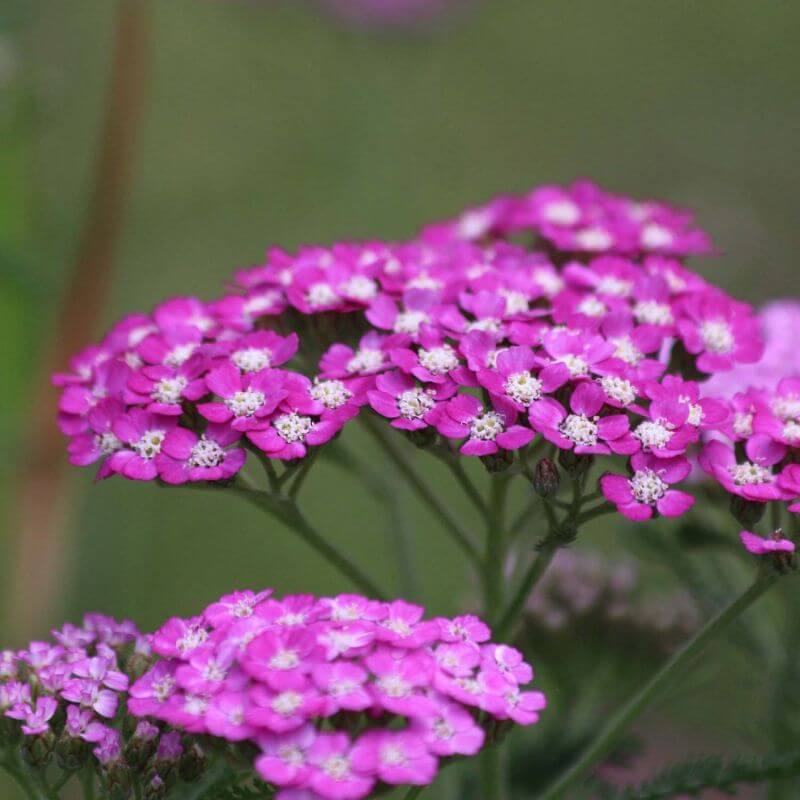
(546, 478)
(574, 464)
(141, 745)
(38, 750)
(71, 752)
(155, 788)
(116, 780)
(192, 763)
(747, 512)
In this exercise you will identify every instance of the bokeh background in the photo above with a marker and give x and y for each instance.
(270, 123)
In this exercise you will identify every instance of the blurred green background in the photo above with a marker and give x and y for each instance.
(267, 123)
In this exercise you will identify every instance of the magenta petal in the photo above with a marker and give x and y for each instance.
(178, 443)
(215, 412)
(515, 437)
(224, 380)
(639, 512)
(616, 489)
(613, 427)
(674, 503)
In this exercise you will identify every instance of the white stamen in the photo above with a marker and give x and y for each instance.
(523, 387)
(579, 429)
(245, 403)
(252, 359)
(647, 487)
(293, 427)
(414, 403)
(486, 427)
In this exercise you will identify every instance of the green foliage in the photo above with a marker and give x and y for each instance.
(696, 775)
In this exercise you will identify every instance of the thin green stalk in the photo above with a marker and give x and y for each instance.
(466, 484)
(287, 512)
(492, 773)
(611, 734)
(537, 568)
(414, 792)
(87, 783)
(593, 513)
(23, 779)
(461, 536)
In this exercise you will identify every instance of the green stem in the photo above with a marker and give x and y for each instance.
(610, 735)
(461, 537)
(413, 793)
(87, 783)
(23, 779)
(492, 779)
(287, 512)
(537, 568)
(592, 513)
(492, 773)
(466, 484)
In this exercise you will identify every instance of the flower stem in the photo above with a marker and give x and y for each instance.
(492, 774)
(537, 568)
(461, 537)
(413, 793)
(287, 512)
(610, 735)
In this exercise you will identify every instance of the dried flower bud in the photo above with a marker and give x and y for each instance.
(38, 750)
(499, 461)
(546, 478)
(574, 464)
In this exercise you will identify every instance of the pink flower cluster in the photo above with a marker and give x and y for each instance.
(78, 682)
(592, 346)
(340, 694)
(757, 457)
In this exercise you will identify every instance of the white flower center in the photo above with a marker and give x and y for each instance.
(656, 236)
(749, 474)
(626, 350)
(291, 754)
(424, 281)
(331, 394)
(653, 434)
(393, 756)
(410, 321)
(786, 407)
(193, 638)
(284, 659)
(365, 361)
(149, 446)
(523, 387)
(245, 403)
(107, 443)
(442, 729)
(791, 431)
(361, 287)
(695, 413)
(592, 306)
(259, 303)
(252, 359)
(342, 687)
(593, 239)
(561, 212)
(647, 487)
(286, 703)
(336, 767)
(618, 389)
(743, 424)
(550, 283)
(486, 427)
(206, 453)
(179, 354)
(717, 336)
(575, 364)
(579, 429)
(438, 360)
(394, 686)
(653, 313)
(162, 689)
(617, 287)
(169, 390)
(293, 427)
(414, 403)
(489, 324)
(321, 294)
(516, 302)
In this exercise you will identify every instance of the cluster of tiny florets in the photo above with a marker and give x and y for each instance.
(65, 700)
(339, 694)
(594, 338)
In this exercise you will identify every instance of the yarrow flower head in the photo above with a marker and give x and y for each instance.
(596, 338)
(339, 695)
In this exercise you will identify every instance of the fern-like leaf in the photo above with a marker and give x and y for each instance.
(696, 775)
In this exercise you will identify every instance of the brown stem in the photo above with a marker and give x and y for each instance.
(43, 496)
